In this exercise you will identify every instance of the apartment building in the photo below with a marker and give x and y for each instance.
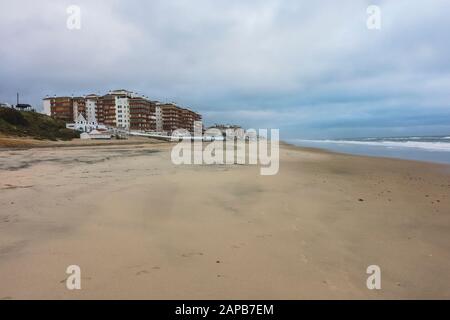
(174, 117)
(188, 118)
(79, 107)
(122, 109)
(106, 110)
(126, 110)
(91, 108)
(171, 117)
(59, 108)
(64, 108)
(47, 104)
(142, 114)
(158, 118)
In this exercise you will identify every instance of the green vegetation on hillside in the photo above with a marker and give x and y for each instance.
(35, 125)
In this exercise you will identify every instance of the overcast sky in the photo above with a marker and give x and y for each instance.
(311, 68)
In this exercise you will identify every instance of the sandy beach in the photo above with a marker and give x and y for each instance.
(141, 227)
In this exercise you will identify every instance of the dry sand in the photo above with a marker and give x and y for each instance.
(141, 227)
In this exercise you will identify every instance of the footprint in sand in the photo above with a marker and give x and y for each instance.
(191, 254)
(141, 272)
(239, 245)
(10, 186)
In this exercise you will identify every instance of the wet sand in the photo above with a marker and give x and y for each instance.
(142, 228)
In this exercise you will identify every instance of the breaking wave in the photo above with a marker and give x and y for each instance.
(413, 143)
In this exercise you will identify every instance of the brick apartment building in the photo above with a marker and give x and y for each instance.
(175, 117)
(105, 111)
(127, 110)
(142, 114)
(122, 109)
(171, 117)
(79, 106)
(59, 108)
(188, 117)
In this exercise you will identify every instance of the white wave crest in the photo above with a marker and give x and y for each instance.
(431, 146)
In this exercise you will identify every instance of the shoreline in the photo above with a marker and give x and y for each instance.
(20, 143)
(325, 151)
(410, 154)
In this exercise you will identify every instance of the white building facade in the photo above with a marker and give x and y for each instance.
(47, 106)
(123, 112)
(91, 109)
(159, 119)
(81, 124)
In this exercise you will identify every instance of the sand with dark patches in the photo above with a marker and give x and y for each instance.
(141, 227)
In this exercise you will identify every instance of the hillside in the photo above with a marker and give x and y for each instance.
(35, 125)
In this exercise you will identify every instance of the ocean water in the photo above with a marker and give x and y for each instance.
(431, 149)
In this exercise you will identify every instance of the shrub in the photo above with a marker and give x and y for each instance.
(13, 117)
(32, 124)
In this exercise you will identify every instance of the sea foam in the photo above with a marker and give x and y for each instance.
(430, 146)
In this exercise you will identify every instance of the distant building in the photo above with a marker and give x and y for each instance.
(142, 114)
(95, 134)
(81, 124)
(126, 110)
(79, 107)
(106, 110)
(174, 117)
(114, 109)
(170, 117)
(5, 105)
(121, 109)
(91, 108)
(158, 118)
(224, 127)
(61, 108)
(24, 107)
(188, 117)
(47, 106)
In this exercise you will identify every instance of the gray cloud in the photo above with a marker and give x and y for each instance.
(312, 69)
